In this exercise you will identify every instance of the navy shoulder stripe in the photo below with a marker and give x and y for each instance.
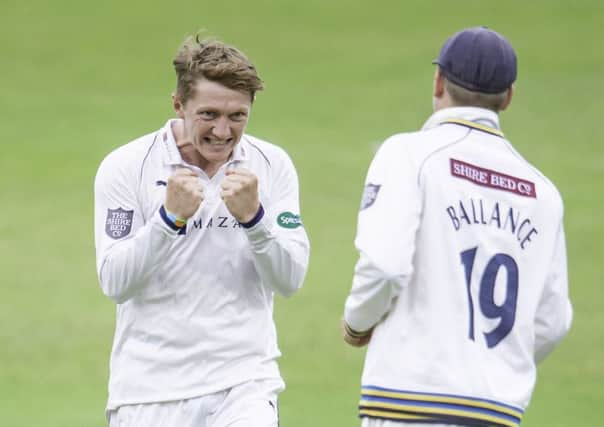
(140, 177)
(259, 150)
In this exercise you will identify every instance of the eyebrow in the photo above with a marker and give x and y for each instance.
(216, 110)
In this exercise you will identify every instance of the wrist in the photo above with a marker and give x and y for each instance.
(355, 338)
(172, 220)
(255, 220)
(356, 334)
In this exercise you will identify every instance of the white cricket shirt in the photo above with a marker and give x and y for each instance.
(462, 271)
(194, 308)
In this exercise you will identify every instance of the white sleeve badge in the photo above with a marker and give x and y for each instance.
(370, 194)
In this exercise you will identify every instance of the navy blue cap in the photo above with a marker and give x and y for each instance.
(478, 59)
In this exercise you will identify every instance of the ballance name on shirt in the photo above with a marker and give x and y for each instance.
(470, 212)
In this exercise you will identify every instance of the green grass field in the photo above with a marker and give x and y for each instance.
(81, 78)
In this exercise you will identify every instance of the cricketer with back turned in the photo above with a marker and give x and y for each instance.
(461, 288)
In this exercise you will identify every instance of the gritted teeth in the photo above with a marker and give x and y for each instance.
(215, 142)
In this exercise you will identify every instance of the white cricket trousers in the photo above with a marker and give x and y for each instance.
(251, 404)
(374, 422)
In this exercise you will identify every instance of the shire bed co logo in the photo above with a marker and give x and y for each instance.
(289, 220)
(492, 179)
(118, 223)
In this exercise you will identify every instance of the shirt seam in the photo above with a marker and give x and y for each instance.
(431, 154)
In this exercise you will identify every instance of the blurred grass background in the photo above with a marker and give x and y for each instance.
(81, 78)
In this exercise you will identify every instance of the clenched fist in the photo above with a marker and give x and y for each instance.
(239, 190)
(184, 193)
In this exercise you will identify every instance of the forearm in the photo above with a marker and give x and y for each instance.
(126, 267)
(554, 316)
(371, 296)
(280, 262)
(550, 331)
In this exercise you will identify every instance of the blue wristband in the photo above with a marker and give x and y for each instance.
(254, 220)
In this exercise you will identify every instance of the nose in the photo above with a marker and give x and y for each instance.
(222, 130)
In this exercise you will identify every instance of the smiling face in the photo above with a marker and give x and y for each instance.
(214, 121)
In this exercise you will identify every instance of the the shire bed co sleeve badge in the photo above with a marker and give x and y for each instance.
(369, 195)
(118, 223)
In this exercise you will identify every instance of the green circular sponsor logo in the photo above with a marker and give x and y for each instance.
(289, 220)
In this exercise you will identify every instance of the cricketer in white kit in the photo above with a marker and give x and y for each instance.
(195, 341)
(461, 284)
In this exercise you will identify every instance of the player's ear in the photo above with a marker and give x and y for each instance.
(508, 98)
(438, 88)
(178, 106)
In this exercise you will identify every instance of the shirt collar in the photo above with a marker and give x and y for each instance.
(239, 154)
(477, 118)
(173, 156)
(167, 140)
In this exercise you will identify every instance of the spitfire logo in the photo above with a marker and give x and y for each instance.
(289, 220)
(118, 223)
(369, 195)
